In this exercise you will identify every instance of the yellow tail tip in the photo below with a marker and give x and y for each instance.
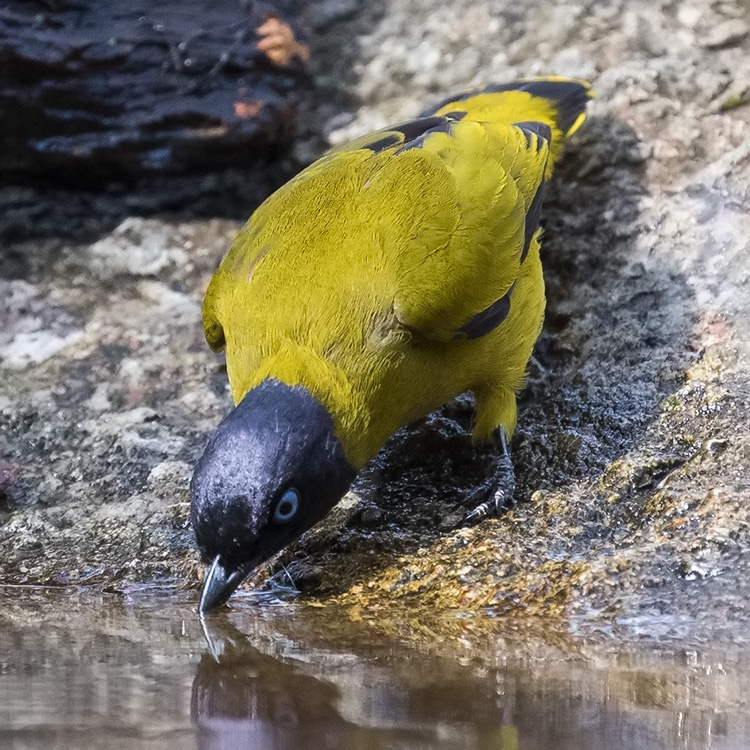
(553, 98)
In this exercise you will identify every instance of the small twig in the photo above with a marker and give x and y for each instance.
(289, 576)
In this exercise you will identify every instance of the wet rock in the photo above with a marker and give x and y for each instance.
(301, 575)
(452, 520)
(370, 517)
(643, 362)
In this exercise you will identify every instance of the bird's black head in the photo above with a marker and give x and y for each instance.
(272, 469)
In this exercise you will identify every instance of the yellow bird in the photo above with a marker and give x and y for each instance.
(390, 276)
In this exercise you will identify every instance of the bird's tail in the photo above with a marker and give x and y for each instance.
(559, 103)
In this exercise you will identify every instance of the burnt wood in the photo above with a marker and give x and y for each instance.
(100, 88)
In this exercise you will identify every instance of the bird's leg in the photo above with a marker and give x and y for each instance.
(495, 494)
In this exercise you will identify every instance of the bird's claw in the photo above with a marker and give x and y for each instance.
(482, 511)
(499, 491)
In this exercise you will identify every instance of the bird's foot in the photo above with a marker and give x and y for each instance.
(495, 494)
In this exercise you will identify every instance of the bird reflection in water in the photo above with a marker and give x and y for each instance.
(244, 698)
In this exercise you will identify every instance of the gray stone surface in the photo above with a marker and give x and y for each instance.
(633, 444)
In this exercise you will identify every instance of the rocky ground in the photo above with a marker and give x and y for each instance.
(633, 444)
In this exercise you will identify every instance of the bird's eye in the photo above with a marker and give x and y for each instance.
(287, 506)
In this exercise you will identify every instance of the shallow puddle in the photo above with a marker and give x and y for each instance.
(143, 671)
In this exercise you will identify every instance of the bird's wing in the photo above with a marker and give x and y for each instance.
(432, 217)
(460, 234)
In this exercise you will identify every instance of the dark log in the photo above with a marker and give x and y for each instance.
(99, 89)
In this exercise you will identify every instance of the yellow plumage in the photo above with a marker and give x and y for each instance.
(368, 278)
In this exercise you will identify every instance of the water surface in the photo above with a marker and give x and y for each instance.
(85, 671)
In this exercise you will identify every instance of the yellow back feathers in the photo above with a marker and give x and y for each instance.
(402, 269)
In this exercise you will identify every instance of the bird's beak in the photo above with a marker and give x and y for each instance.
(218, 585)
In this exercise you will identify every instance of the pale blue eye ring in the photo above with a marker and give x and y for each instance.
(287, 506)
